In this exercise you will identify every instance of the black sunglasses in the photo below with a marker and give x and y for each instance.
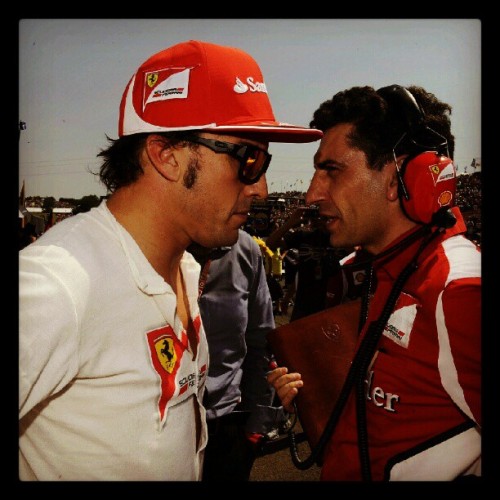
(254, 161)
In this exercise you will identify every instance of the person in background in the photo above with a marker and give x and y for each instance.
(290, 266)
(273, 268)
(113, 356)
(384, 179)
(305, 231)
(237, 313)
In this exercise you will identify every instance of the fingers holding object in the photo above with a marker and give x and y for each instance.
(286, 385)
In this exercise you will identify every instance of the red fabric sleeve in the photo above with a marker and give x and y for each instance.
(462, 311)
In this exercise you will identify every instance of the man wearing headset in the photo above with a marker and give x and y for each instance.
(385, 180)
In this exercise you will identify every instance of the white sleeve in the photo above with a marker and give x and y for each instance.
(48, 324)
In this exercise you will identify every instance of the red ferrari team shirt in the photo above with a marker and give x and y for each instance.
(422, 387)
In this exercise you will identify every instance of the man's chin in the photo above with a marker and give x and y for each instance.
(224, 239)
(229, 238)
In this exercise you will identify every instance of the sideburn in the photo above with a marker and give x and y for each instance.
(191, 174)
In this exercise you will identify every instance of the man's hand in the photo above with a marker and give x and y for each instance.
(286, 385)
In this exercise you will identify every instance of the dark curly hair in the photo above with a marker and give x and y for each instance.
(377, 128)
(122, 163)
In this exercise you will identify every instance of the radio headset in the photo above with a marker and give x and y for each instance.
(427, 177)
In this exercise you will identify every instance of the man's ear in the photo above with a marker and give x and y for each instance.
(394, 179)
(162, 157)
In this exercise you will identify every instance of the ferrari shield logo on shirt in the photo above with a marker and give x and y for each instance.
(400, 323)
(179, 376)
(166, 353)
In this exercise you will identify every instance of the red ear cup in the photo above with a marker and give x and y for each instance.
(430, 180)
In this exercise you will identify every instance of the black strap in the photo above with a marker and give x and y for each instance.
(355, 378)
(367, 349)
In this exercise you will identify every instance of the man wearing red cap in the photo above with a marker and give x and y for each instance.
(113, 354)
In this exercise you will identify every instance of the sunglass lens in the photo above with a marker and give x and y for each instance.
(254, 163)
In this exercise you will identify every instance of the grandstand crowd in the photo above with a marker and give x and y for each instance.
(468, 199)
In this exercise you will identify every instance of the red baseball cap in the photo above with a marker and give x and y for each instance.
(198, 85)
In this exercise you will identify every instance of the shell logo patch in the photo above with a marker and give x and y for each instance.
(445, 198)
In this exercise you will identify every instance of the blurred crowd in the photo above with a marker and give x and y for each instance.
(468, 199)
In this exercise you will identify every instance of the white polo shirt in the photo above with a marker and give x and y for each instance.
(108, 387)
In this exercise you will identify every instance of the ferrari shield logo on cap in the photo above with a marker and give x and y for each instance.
(171, 83)
(151, 79)
(201, 85)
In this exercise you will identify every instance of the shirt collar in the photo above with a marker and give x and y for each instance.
(394, 263)
(145, 276)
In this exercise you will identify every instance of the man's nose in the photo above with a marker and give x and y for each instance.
(258, 189)
(314, 193)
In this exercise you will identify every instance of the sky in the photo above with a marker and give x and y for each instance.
(72, 74)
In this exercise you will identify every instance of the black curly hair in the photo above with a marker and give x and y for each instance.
(376, 127)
